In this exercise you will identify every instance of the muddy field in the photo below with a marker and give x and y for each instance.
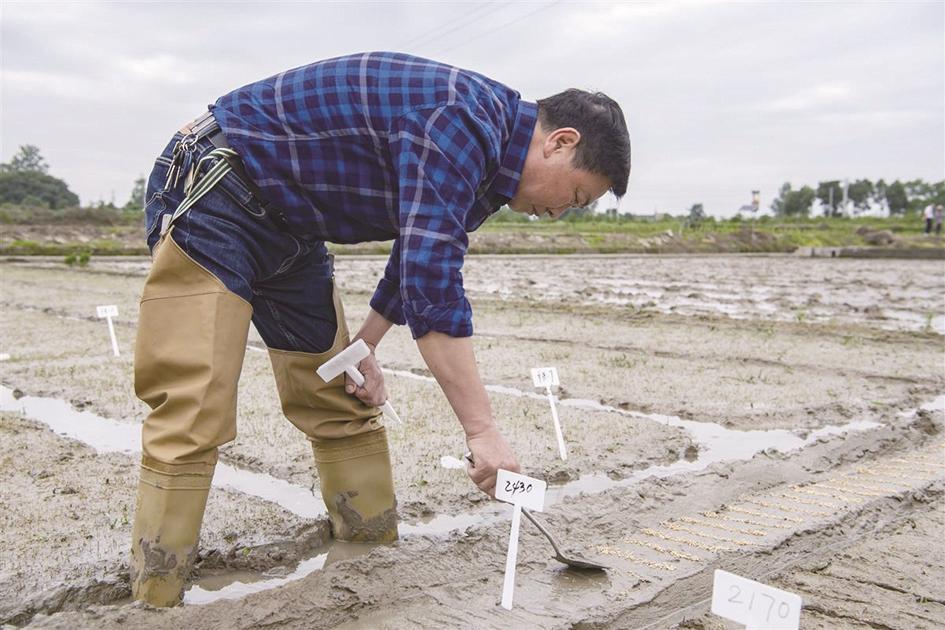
(777, 417)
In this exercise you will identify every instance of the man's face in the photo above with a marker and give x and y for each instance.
(550, 183)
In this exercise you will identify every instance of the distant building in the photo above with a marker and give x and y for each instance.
(754, 206)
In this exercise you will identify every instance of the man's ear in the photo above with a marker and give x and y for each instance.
(564, 138)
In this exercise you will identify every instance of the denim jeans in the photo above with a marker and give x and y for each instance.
(287, 280)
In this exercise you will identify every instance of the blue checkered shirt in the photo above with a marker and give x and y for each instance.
(380, 146)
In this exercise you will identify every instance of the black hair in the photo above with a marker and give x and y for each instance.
(604, 148)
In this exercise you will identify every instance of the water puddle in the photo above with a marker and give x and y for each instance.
(204, 593)
(109, 436)
(716, 442)
(236, 584)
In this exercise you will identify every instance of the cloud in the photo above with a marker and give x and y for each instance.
(159, 67)
(722, 98)
(818, 97)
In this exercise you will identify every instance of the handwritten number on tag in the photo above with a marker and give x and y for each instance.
(734, 598)
(517, 486)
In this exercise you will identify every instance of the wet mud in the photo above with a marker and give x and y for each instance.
(695, 435)
(664, 537)
(66, 512)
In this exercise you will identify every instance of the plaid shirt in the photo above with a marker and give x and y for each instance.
(380, 146)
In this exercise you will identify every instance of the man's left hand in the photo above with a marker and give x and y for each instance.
(373, 392)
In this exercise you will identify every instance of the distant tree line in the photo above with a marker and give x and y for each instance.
(25, 181)
(862, 195)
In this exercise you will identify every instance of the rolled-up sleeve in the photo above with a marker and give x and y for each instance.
(440, 156)
(386, 299)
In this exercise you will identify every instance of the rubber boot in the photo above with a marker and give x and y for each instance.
(349, 443)
(171, 502)
(357, 486)
(188, 356)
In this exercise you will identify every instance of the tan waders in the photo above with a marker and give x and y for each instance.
(188, 357)
(350, 446)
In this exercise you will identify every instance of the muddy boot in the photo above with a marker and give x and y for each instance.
(188, 356)
(349, 442)
(357, 487)
(171, 501)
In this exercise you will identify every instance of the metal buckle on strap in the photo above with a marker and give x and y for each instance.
(201, 125)
(204, 124)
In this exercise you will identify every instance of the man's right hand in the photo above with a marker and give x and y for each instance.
(490, 452)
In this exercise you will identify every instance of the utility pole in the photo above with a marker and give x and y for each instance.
(846, 187)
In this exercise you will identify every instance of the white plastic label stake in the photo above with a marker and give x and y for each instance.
(547, 377)
(520, 491)
(508, 584)
(758, 606)
(554, 416)
(108, 311)
(526, 491)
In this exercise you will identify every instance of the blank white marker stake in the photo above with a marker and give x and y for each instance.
(109, 311)
(548, 377)
(520, 491)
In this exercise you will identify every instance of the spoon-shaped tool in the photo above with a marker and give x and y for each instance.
(574, 561)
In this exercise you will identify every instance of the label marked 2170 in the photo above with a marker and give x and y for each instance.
(757, 605)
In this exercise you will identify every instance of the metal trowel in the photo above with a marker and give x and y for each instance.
(574, 561)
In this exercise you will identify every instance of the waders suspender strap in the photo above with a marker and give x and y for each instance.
(200, 186)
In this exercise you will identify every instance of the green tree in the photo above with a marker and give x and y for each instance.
(916, 189)
(921, 193)
(791, 202)
(860, 193)
(696, 214)
(879, 193)
(137, 195)
(36, 189)
(830, 195)
(577, 214)
(896, 198)
(938, 193)
(28, 160)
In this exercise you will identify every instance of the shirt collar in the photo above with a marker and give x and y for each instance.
(510, 172)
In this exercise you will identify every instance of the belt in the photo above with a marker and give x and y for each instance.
(206, 126)
(198, 182)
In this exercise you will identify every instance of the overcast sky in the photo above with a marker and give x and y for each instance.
(721, 98)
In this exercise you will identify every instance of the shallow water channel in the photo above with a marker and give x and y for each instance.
(716, 444)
